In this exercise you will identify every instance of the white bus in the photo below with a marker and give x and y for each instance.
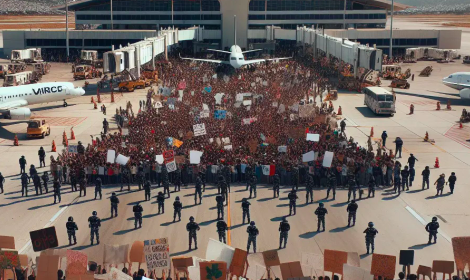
(379, 100)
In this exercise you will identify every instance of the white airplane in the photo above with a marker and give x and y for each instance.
(237, 59)
(459, 81)
(12, 98)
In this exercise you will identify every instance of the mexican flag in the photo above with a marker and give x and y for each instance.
(269, 170)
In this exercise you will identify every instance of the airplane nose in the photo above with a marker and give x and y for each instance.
(81, 91)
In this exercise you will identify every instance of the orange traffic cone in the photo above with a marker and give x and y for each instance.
(461, 125)
(340, 111)
(95, 106)
(72, 136)
(112, 97)
(65, 141)
(448, 105)
(436, 164)
(391, 154)
(426, 137)
(15, 141)
(54, 148)
(92, 100)
(372, 132)
(438, 106)
(98, 94)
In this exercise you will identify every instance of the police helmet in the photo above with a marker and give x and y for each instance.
(353, 201)
(94, 213)
(177, 198)
(244, 199)
(98, 179)
(252, 223)
(79, 142)
(284, 219)
(406, 166)
(321, 204)
(70, 219)
(113, 194)
(371, 224)
(434, 219)
(191, 219)
(159, 193)
(22, 156)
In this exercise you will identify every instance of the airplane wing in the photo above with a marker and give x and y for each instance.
(218, 51)
(257, 50)
(12, 105)
(205, 60)
(280, 58)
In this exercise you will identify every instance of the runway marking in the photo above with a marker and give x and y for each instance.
(62, 121)
(229, 221)
(424, 223)
(459, 135)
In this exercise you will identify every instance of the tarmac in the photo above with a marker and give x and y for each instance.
(400, 220)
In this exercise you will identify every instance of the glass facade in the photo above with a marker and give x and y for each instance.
(78, 42)
(400, 42)
(299, 5)
(155, 5)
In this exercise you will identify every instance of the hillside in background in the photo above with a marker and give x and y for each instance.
(417, 3)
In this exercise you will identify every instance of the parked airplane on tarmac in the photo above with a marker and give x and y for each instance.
(459, 81)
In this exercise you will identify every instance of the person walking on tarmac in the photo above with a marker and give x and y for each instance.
(220, 207)
(105, 126)
(284, 228)
(331, 184)
(253, 232)
(23, 163)
(398, 146)
(177, 206)
(405, 174)
(94, 223)
(197, 190)
(412, 161)
(440, 184)
(451, 181)
(25, 179)
(371, 187)
(98, 186)
(321, 212)
(221, 230)
(426, 173)
(161, 202)
(45, 180)
(432, 228)
(37, 184)
(292, 201)
(71, 228)
(253, 181)
(192, 227)
(147, 187)
(342, 125)
(42, 157)
(114, 204)
(137, 209)
(352, 209)
(309, 189)
(370, 232)
(246, 210)
(276, 185)
(384, 138)
(57, 187)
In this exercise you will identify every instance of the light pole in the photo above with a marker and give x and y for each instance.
(391, 31)
(112, 25)
(67, 28)
(344, 15)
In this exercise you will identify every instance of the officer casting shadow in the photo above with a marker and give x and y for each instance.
(266, 199)
(339, 229)
(419, 246)
(309, 235)
(206, 223)
(434, 196)
(391, 197)
(124, 231)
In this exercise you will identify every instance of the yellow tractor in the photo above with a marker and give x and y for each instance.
(38, 128)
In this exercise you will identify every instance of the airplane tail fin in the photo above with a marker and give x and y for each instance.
(235, 29)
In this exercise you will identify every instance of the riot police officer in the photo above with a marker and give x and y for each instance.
(248, 174)
(432, 228)
(221, 229)
(202, 176)
(73, 180)
(105, 124)
(331, 185)
(227, 173)
(80, 148)
(197, 190)
(141, 179)
(351, 187)
(192, 227)
(57, 187)
(371, 187)
(370, 232)
(321, 212)
(147, 187)
(98, 186)
(165, 180)
(2, 181)
(177, 181)
(45, 180)
(220, 206)
(177, 206)
(405, 174)
(37, 183)
(94, 223)
(126, 178)
(292, 201)
(137, 209)
(25, 179)
(71, 228)
(295, 178)
(161, 202)
(352, 209)
(114, 204)
(276, 185)
(246, 210)
(223, 188)
(253, 232)
(82, 182)
(22, 162)
(253, 181)
(309, 189)
(284, 228)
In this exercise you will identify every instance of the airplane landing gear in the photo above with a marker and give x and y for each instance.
(65, 104)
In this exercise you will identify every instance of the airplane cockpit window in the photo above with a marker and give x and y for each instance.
(240, 58)
(233, 58)
(450, 77)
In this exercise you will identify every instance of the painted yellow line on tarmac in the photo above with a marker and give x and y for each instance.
(229, 221)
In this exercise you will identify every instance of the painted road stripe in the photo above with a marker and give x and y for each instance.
(229, 221)
(424, 223)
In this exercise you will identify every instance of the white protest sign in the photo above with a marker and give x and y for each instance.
(218, 251)
(158, 105)
(247, 102)
(310, 156)
(226, 140)
(328, 159)
(239, 97)
(159, 159)
(199, 129)
(249, 120)
(122, 160)
(204, 114)
(157, 253)
(282, 109)
(111, 155)
(125, 131)
(313, 137)
(228, 147)
(171, 166)
(195, 157)
(116, 274)
(282, 149)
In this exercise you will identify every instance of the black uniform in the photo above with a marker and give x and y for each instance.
(309, 189)
(25, 179)
(137, 209)
(426, 173)
(284, 228)
(276, 185)
(197, 190)
(73, 180)
(246, 210)
(94, 224)
(220, 206)
(57, 187)
(221, 229)
(253, 232)
(370, 232)
(141, 179)
(351, 188)
(45, 180)
(253, 182)
(432, 228)
(80, 149)
(2, 181)
(42, 157)
(22, 162)
(371, 187)
(331, 185)
(352, 209)
(223, 186)
(177, 206)
(452, 179)
(37, 184)
(248, 174)
(126, 178)
(227, 171)
(202, 175)
(292, 202)
(98, 186)
(161, 202)
(177, 180)
(114, 205)
(147, 187)
(165, 181)
(405, 174)
(295, 178)
(82, 182)
(321, 212)
(192, 227)
(71, 228)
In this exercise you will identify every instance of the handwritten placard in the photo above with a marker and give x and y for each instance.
(157, 253)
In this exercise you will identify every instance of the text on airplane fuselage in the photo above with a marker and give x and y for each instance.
(45, 90)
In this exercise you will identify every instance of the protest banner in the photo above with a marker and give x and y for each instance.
(9, 259)
(313, 137)
(239, 260)
(199, 129)
(43, 239)
(24, 260)
(47, 267)
(76, 263)
(168, 155)
(228, 147)
(307, 157)
(214, 270)
(249, 120)
(7, 242)
(353, 259)
(159, 159)
(110, 156)
(220, 114)
(461, 246)
(271, 258)
(328, 159)
(136, 253)
(171, 166)
(218, 251)
(444, 267)
(195, 157)
(291, 270)
(157, 253)
(282, 149)
(121, 159)
(73, 149)
(383, 265)
(116, 254)
(334, 261)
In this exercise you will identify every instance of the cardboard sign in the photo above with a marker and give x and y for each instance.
(195, 157)
(255, 272)
(24, 260)
(249, 120)
(168, 155)
(213, 270)
(122, 160)
(116, 254)
(159, 159)
(9, 259)
(425, 271)
(116, 274)
(307, 157)
(313, 137)
(383, 265)
(353, 259)
(182, 263)
(137, 252)
(110, 156)
(291, 270)
(171, 166)
(271, 258)
(282, 149)
(76, 263)
(407, 257)
(157, 253)
(334, 261)
(446, 267)
(43, 239)
(220, 114)
(356, 273)
(218, 251)
(237, 267)
(199, 129)
(47, 267)
(461, 246)
(328, 159)
(7, 242)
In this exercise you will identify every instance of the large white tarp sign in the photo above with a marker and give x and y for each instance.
(218, 251)
(328, 159)
(310, 156)
(313, 137)
(157, 253)
(199, 129)
(159, 159)
(195, 157)
(171, 166)
(122, 160)
(111, 155)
